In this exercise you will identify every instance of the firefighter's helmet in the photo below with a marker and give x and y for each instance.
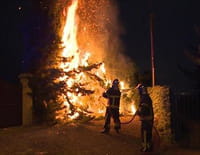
(142, 89)
(115, 82)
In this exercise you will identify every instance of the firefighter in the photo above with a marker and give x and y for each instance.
(113, 95)
(146, 114)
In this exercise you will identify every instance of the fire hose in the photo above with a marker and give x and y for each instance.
(154, 128)
(133, 117)
(157, 133)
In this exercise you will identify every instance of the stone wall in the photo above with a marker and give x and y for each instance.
(160, 96)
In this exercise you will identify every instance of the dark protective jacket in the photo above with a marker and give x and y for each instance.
(113, 95)
(145, 110)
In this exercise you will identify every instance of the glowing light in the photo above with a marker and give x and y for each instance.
(74, 116)
(133, 109)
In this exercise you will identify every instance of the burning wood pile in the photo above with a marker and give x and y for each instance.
(72, 83)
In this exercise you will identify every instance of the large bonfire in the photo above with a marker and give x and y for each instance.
(82, 71)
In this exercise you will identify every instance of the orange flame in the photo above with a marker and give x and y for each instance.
(79, 58)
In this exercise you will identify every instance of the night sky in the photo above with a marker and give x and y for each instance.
(174, 32)
(11, 43)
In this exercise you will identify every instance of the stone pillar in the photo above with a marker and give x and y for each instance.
(162, 115)
(27, 102)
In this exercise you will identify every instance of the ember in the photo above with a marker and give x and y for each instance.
(86, 81)
(81, 68)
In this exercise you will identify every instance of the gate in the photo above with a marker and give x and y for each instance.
(185, 108)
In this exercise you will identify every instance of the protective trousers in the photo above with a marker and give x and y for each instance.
(114, 113)
(146, 135)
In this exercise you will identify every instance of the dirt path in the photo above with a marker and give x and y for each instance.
(71, 139)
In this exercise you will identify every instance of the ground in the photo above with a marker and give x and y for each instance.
(78, 139)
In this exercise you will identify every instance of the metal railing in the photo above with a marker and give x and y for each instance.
(185, 111)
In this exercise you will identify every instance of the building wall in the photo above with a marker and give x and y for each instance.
(10, 104)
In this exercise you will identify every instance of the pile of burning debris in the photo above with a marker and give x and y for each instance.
(71, 86)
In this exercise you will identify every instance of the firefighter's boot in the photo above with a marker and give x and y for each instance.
(105, 131)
